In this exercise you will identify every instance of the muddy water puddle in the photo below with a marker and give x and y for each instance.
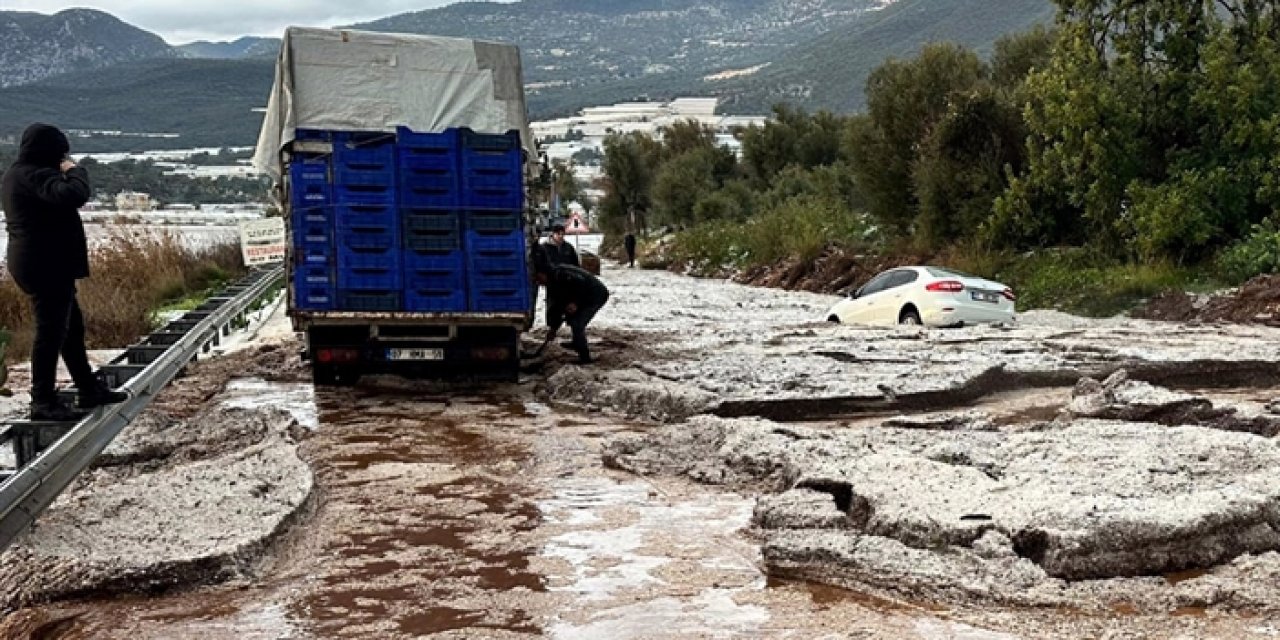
(482, 517)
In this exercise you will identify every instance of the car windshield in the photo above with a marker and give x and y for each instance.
(939, 272)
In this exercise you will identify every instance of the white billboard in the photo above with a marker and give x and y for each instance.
(262, 241)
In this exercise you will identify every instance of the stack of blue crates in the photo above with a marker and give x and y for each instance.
(429, 222)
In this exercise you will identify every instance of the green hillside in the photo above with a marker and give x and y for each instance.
(208, 102)
(831, 71)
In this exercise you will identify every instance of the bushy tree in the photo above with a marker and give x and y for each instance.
(905, 100)
(1153, 132)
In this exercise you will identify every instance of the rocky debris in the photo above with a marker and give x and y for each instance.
(958, 421)
(156, 439)
(983, 513)
(1119, 398)
(203, 380)
(1255, 302)
(176, 504)
(743, 351)
(629, 392)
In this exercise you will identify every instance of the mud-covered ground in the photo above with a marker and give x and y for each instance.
(731, 467)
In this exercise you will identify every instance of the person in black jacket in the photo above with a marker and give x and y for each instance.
(558, 251)
(629, 242)
(41, 194)
(574, 297)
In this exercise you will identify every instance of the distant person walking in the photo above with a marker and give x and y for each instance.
(629, 241)
(574, 297)
(42, 193)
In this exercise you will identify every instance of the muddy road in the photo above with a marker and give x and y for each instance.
(729, 469)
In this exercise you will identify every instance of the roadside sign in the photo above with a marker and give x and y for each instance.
(262, 241)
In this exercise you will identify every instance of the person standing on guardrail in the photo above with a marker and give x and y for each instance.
(42, 193)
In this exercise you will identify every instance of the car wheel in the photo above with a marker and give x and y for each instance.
(834, 318)
(910, 316)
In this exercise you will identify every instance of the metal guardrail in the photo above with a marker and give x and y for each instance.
(29, 491)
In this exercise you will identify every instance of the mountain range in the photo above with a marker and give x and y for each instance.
(85, 69)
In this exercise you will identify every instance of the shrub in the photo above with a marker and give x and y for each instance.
(132, 274)
(1258, 253)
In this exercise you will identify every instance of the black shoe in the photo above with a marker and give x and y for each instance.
(56, 410)
(99, 396)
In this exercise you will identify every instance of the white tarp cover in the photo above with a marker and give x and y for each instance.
(364, 81)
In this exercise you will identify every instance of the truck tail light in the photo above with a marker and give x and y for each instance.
(1008, 293)
(493, 354)
(336, 356)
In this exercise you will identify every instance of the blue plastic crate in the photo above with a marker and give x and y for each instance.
(489, 143)
(314, 254)
(437, 300)
(312, 233)
(434, 270)
(311, 197)
(484, 190)
(320, 135)
(363, 278)
(383, 194)
(364, 149)
(368, 300)
(320, 214)
(432, 187)
(368, 238)
(313, 275)
(445, 141)
(495, 244)
(368, 258)
(430, 219)
(498, 294)
(307, 166)
(432, 239)
(438, 259)
(314, 298)
(363, 176)
(484, 266)
(366, 215)
(494, 220)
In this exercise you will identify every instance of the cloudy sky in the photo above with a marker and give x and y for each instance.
(182, 21)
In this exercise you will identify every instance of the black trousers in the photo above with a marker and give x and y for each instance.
(578, 322)
(59, 331)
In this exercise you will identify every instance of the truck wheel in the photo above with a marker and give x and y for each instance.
(324, 375)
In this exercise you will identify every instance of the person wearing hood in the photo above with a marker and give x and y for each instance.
(41, 194)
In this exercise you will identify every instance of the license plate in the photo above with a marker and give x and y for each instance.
(415, 354)
(985, 296)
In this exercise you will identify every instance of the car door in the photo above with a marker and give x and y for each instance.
(863, 307)
(895, 295)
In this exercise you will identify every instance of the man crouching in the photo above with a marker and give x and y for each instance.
(573, 297)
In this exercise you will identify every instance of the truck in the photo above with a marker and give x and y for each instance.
(400, 164)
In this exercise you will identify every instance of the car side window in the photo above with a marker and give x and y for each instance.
(900, 278)
(877, 284)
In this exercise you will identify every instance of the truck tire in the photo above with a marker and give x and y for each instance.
(324, 375)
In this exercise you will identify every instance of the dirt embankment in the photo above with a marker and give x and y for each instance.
(1256, 302)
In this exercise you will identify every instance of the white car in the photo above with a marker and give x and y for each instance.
(926, 295)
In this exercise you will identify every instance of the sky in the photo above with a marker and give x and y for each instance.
(183, 21)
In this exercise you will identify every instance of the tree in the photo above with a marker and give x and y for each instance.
(629, 164)
(791, 138)
(566, 185)
(1153, 132)
(905, 100)
(684, 180)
